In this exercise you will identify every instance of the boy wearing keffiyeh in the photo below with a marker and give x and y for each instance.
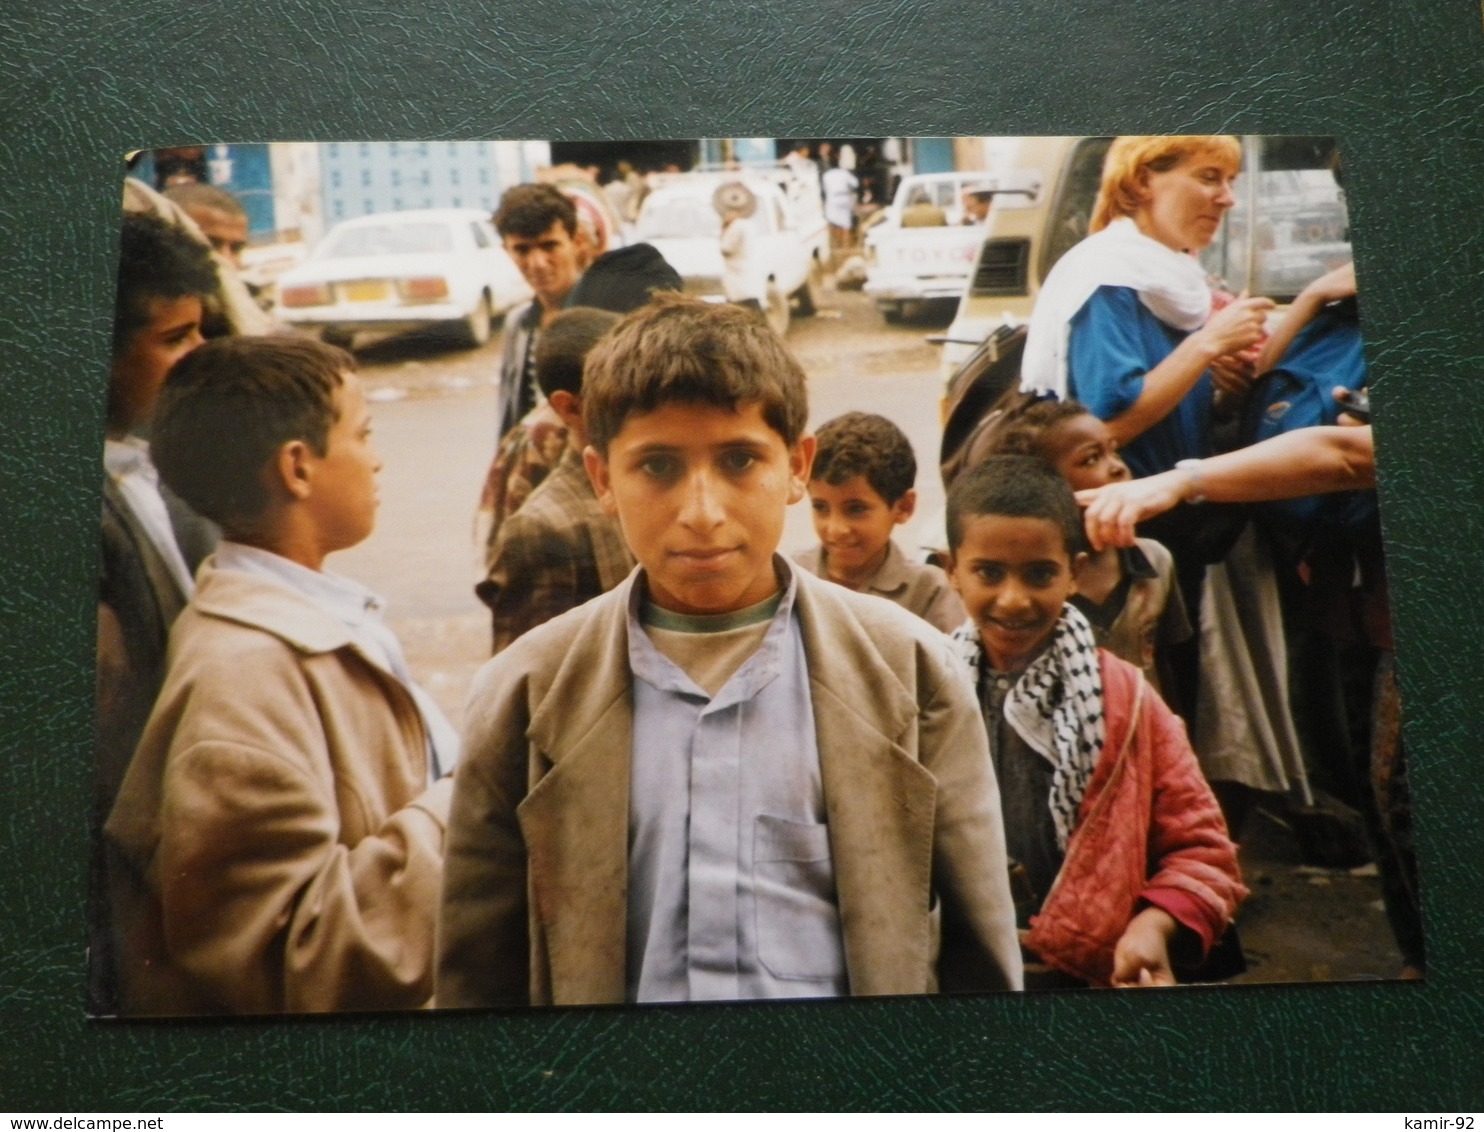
(1121, 858)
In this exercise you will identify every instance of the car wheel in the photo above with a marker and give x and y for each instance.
(775, 307)
(810, 295)
(474, 331)
(338, 337)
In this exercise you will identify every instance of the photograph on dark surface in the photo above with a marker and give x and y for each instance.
(909, 565)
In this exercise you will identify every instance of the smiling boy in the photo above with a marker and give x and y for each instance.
(1122, 860)
(860, 489)
(1128, 594)
(724, 779)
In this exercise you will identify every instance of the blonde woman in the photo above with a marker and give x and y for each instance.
(1127, 323)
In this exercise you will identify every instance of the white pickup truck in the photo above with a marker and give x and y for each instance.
(926, 244)
(791, 240)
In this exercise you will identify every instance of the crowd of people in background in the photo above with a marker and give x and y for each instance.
(694, 768)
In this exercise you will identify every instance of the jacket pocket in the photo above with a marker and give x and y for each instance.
(798, 915)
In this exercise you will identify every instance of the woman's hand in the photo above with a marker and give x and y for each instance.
(1141, 957)
(1233, 374)
(1114, 510)
(1238, 325)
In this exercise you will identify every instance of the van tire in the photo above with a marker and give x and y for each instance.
(473, 331)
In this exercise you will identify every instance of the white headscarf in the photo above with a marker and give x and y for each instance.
(1171, 284)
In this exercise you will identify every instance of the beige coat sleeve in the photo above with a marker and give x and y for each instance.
(291, 876)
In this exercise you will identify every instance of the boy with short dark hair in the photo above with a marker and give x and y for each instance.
(559, 550)
(151, 541)
(859, 489)
(1123, 866)
(1128, 594)
(276, 843)
(538, 228)
(724, 779)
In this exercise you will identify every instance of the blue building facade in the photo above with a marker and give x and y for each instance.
(357, 178)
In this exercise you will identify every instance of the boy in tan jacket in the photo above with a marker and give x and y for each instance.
(726, 778)
(277, 841)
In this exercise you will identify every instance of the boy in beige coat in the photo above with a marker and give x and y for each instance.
(725, 779)
(276, 844)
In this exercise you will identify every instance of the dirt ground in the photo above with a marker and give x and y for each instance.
(434, 412)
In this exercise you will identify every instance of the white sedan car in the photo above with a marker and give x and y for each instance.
(396, 271)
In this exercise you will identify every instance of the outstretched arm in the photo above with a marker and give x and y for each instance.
(1309, 461)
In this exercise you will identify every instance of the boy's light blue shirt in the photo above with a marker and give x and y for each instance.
(731, 882)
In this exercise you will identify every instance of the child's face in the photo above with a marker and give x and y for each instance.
(701, 493)
(1083, 450)
(172, 330)
(343, 497)
(854, 523)
(1014, 575)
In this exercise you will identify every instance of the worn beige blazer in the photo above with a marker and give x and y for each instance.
(535, 884)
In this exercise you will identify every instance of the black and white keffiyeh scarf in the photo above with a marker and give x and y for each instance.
(1056, 706)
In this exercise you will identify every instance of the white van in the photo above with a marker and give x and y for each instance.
(679, 218)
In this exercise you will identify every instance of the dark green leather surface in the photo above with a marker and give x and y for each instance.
(1401, 84)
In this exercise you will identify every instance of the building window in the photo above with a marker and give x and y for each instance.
(365, 178)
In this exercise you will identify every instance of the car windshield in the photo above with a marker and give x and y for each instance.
(678, 218)
(389, 239)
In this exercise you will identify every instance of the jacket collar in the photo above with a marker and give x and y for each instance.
(234, 596)
(892, 578)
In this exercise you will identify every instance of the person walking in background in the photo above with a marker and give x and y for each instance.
(841, 191)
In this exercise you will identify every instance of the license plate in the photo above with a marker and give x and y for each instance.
(366, 291)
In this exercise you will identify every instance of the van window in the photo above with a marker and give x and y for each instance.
(1078, 192)
(1300, 230)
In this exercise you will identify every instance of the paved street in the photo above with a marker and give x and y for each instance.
(434, 411)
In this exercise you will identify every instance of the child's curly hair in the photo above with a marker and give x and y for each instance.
(865, 444)
(1025, 433)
